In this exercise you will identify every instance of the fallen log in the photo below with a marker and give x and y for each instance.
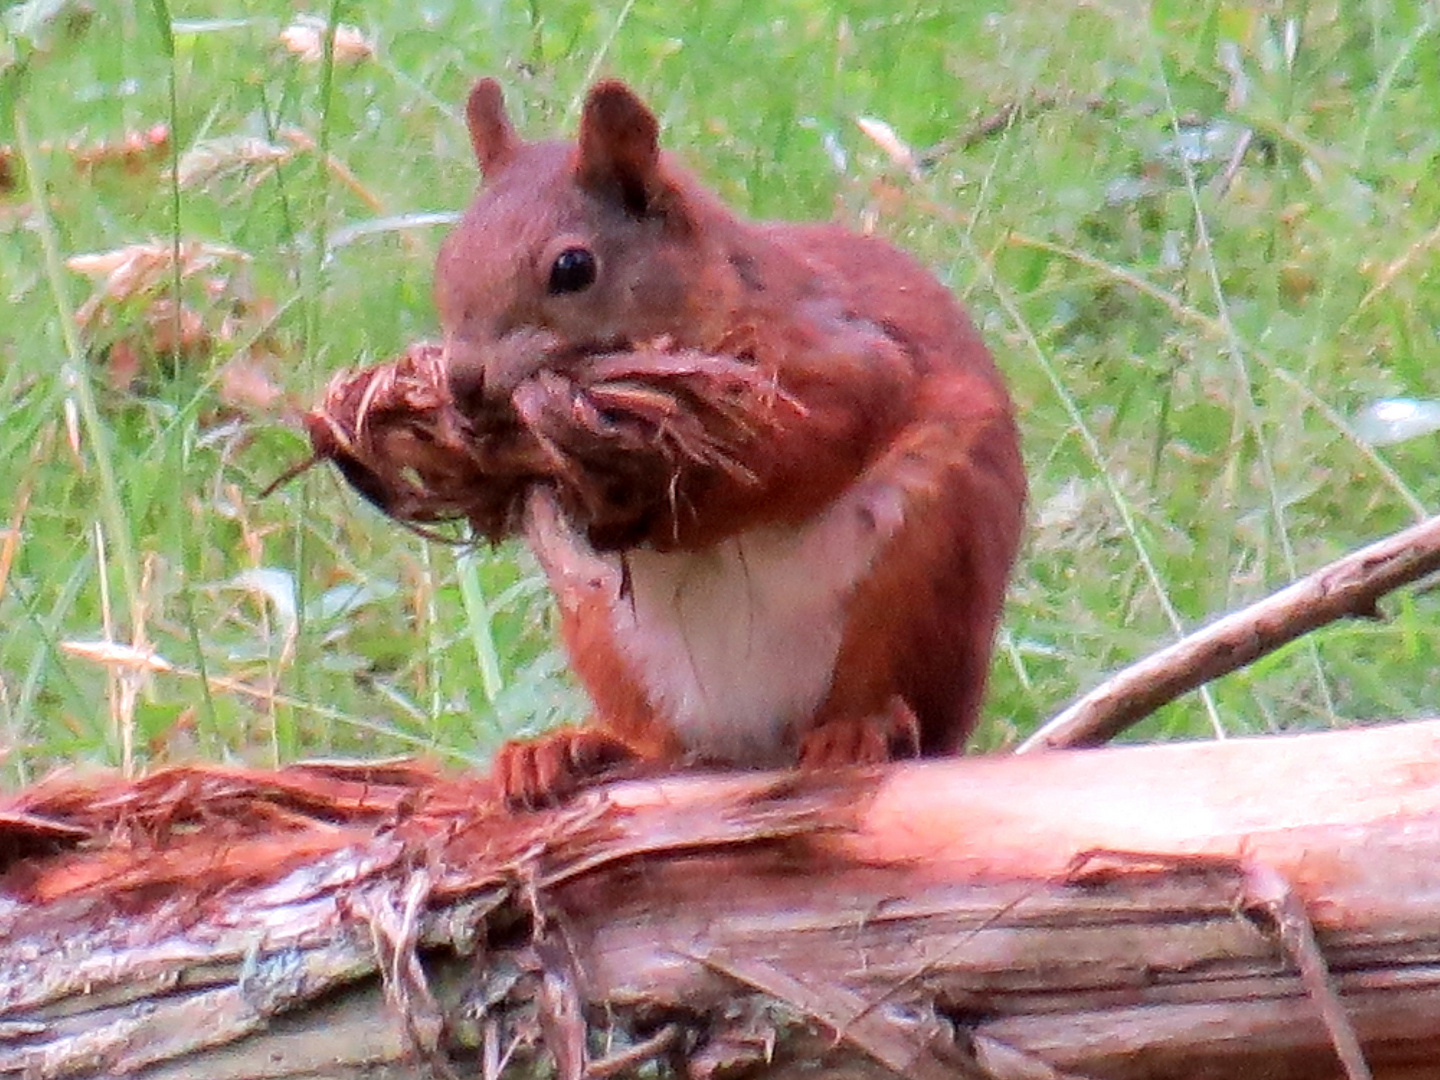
(1265, 907)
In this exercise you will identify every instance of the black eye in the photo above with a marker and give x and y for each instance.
(574, 270)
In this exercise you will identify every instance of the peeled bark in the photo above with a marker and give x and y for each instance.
(1264, 907)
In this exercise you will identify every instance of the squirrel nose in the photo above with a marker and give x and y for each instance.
(465, 371)
(488, 373)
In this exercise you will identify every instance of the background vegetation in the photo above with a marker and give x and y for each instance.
(1201, 238)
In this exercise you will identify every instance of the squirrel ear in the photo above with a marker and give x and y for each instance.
(620, 147)
(490, 132)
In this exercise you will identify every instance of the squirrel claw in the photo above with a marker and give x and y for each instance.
(893, 734)
(535, 773)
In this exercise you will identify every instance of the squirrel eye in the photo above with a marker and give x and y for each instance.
(573, 270)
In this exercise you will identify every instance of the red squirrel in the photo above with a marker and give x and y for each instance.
(835, 600)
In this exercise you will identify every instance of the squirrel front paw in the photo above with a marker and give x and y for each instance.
(893, 734)
(544, 771)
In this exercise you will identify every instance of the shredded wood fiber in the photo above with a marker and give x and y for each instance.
(620, 437)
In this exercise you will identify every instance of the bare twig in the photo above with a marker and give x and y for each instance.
(1269, 895)
(1221, 184)
(1348, 587)
(998, 120)
(625, 1061)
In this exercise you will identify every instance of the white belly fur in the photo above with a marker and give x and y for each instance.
(736, 645)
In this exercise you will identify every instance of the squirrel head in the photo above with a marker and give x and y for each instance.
(572, 249)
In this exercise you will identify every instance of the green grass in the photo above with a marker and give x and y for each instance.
(1185, 347)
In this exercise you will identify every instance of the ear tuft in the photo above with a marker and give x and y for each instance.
(490, 132)
(619, 147)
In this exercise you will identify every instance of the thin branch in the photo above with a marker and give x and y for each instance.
(1348, 587)
(660, 1043)
(1270, 895)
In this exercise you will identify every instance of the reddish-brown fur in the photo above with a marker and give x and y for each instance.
(889, 408)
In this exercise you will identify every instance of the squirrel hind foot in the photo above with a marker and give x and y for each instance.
(892, 734)
(532, 774)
